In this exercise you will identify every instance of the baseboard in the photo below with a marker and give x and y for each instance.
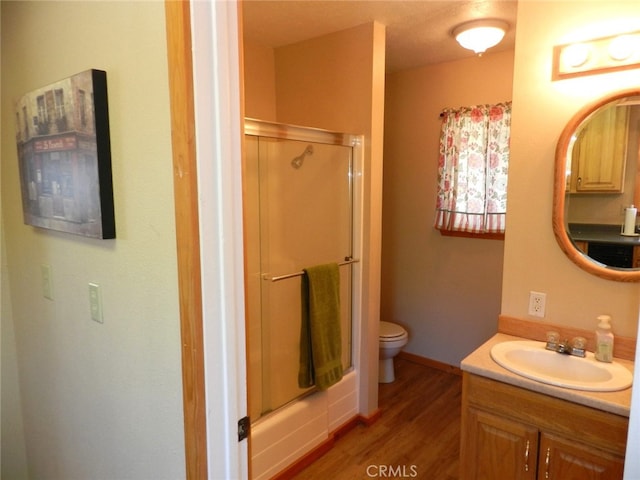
(427, 362)
(306, 460)
(371, 419)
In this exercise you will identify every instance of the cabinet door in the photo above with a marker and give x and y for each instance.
(636, 256)
(582, 246)
(499, 448)
(599, 154)
(564, 459)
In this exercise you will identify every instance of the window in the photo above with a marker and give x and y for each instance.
(82, 107)
(42, 110)
(472, 170)
(59, 99)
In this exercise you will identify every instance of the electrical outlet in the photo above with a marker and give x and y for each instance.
(537, 302)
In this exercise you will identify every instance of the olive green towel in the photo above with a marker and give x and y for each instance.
(320, 336)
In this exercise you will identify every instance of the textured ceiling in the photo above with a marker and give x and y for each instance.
(418, 32)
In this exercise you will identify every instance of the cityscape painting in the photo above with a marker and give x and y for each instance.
(64, 154)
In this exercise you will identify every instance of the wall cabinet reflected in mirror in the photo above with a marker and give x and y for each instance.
(597, 177)
(599, 154)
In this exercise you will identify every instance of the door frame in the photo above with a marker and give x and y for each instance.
(205, 96)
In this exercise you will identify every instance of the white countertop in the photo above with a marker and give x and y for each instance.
(480, 363)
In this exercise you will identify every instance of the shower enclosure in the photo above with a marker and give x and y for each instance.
(299, 203)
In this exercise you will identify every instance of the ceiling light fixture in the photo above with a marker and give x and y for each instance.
(479, 35)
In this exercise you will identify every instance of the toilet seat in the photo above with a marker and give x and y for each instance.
(391, 332)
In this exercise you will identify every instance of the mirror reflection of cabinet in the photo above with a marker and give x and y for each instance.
(608, 166)
(599, 152)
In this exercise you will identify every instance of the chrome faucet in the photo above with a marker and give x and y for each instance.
(574, 347)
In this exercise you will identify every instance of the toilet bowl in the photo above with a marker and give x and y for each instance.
(392, 338)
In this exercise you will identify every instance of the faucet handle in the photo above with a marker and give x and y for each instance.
(579, 342)
(553, 338)
(578, 346)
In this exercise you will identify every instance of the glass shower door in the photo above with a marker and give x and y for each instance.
(304, 218)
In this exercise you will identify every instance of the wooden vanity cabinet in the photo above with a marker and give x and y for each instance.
(510, 432)
(564, 458)
(500, 447)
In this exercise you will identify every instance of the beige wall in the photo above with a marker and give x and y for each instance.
(444, 290)
(98, 400)
(541, 109)
(13, 453)
(259, 81)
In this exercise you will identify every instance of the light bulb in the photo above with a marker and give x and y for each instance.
(622, 47)
(576, 55)
(479, 35)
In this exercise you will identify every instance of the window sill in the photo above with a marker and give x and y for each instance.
(484, 236)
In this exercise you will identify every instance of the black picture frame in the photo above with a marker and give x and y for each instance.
(64, 154)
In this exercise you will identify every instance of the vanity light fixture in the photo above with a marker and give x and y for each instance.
(622, 47)
(576, 55)
(606, 54)
(479, 35)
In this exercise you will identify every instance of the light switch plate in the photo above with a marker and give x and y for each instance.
(95, 302)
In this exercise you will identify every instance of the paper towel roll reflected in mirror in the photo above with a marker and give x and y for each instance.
(630, 220)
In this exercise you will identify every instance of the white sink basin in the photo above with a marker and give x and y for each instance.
(530, 359)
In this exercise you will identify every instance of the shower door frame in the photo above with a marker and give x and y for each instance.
(266, 129)
(315, 416)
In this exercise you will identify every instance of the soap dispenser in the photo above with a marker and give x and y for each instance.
(604, 339)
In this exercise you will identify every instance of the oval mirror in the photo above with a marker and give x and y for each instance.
(597, 186)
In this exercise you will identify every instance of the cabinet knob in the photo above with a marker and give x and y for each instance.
(526, 457)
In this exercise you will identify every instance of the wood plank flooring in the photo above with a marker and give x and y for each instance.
(417, 436)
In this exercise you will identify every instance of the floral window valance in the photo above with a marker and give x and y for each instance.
(472, 169)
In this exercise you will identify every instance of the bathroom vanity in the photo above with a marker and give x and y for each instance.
(517, 428)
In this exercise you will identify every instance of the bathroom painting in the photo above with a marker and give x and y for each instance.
(62, 136)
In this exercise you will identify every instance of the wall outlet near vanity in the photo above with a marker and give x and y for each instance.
(537, 304)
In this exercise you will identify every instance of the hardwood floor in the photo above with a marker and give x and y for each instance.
(417, 436)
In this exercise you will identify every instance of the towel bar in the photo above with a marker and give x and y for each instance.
(265, 276)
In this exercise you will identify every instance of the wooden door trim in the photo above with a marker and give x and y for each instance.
(180, 66)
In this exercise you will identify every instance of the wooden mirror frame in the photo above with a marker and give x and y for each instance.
(566, 244)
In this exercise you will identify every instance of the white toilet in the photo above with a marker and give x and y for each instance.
(392, 338)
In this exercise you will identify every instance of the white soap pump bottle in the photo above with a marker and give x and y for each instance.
(604, 339)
